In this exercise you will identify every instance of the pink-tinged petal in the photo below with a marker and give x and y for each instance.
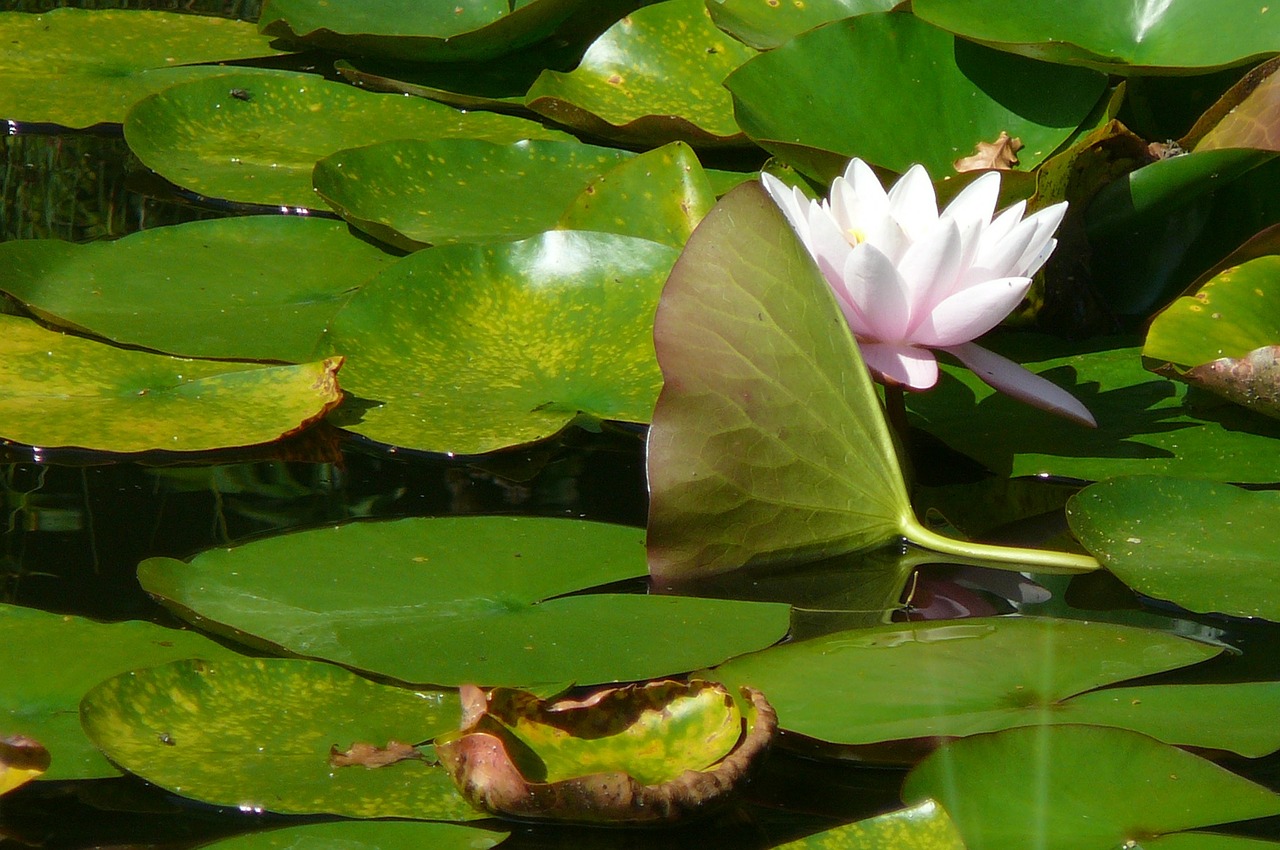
(827, 244)
(999, 258)
(792, 202)
(912, 202)
(975, 202)
(971, 312)
(1013, 380)
(929, 270)
(1046, 221)
(1003, 223)
(873, 285)
(865, 183)
(858, 202)
(907, 365)
(888, 236)
(1045, 253)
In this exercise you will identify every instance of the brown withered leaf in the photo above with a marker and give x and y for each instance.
(22, 759)
(1252, 381)
(371, 756)
(1002, 155)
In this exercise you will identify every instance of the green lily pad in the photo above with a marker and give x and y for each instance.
(1079, 788)
(894, 91)
(1145, 424)
(1204, 841)
(252, 288)
(623, 87)
(498, 345)
(255, 136)
(1230, 315)
(1201, 545)
(413, 31)
(263, 735)
(924, 826)
(479, 599)
(51, 660)
(413, 193)
(78, 68)
(944, 679)
(660, 195)
(58, 390)
(366, 835)
(1156, 37)
(766, 24)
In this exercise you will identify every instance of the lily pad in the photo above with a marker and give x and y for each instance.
(1145, 423)
(471, 348)
(53, 659)
(1204, 841)
(766, 24)
(252, 288)
(255, 136)
(1166, 36)
(1201, 545)
(414, 31)
(78, 68)
(660, 195)
(260, 734)
(479, 599)
(948, 679)
(366, 835)
(1246, 116)
(650, 753)
(22, 759)
(412, 193)
(893, 90)
(58, 390)
(924, 826)
(622, 89)
(1079, 788)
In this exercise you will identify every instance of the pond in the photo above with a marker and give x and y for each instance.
(398, 357)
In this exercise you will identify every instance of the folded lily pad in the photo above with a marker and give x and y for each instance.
(261, 734)
(648, 753)
(22, 759)
(255, 136)
(78, 68)
(924, 826)
(490, 346)
(251, 288)
(58, 390)
(622, 89)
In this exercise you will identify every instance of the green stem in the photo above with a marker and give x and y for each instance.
(1033, 560)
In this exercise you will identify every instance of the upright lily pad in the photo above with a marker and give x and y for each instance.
(413, 192)
(924, 826)
(78, 68)
(414, 31)
(260, 734)
(52, 660)
(366, 835)
(471, 348)
(1165, 36)
(60, 390)
(255, 136)
(461, 599)
(1079, 788)
(252, 288)
(623, 87)
(1202, 545)
(766, 24)
(948, 679)
(894, 91)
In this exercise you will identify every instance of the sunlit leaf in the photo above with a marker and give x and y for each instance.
(1230, 315)
(623, 87)
(365, 835)
(924, 826)
(926, 680)
(255, 136)
(253, 288)
(766, 24)
(61, 390)
(471, 348)
(257, 734)
(413, 192)
(51, 660)
(1247, 115)
(1201, 545)
(895, 91)
(461, 599)
(78, 68)
(1079, 788)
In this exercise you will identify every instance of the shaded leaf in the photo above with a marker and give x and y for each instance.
(766, 24)
(497, 345)
(924, 826)
(365, 835)
(182, 724)
(1204, 841)
(1041, 787)
(1201, 545)
(252, 288)
(1252, 381)
(22, 759)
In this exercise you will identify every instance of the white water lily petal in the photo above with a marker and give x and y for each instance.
(1002, 258)
(975, 202)
(828, 245)
(971, 313)
(1047, 221)
(872, 283)
(792, 202)
(907, 365)
(913, 204)
(929, 269)
(1013, 380)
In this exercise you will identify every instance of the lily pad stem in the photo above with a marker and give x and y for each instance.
(1032, 560)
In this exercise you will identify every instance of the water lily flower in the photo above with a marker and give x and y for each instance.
(911, 280)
